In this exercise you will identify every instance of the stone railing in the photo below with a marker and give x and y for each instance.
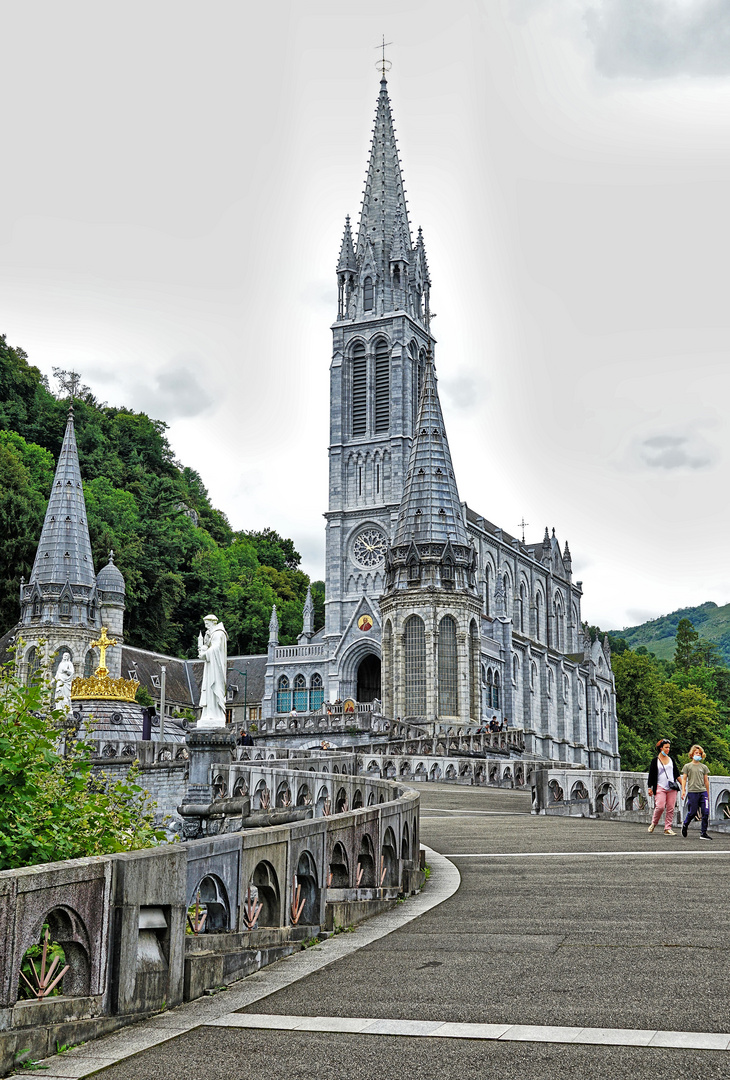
(362, 719)
(507, 742)
(121, 919)
(146, 752)
(296, 652)
(480, 771)
(622, 795)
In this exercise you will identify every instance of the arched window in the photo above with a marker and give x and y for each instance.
(515, 669)
(559, 642)
(90, 663)
(414, 647)
(387, 672)
(474, 695)
(33, 661)
(415, 388)
(533, 677)
(382, 386)
(538, 616)
(316, 692)
(495, 691)
(359, 390)
(300, 693)
(521, 605)
(283, 695)
(448, 668)
(487, 588)
(550, 682)
(367, 294)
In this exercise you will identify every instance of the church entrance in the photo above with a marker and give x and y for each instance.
(368, 679)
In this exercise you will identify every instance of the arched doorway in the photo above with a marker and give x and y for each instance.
(368, 678)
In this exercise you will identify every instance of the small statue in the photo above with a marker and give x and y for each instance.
(213, 650)
(63, 679)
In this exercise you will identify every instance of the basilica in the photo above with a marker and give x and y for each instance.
(433, 613)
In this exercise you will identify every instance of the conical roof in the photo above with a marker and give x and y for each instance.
(347, 260)
(384, 194)
(64, 550)
(430, 509)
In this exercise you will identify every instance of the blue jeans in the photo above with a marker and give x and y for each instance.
(697, 800)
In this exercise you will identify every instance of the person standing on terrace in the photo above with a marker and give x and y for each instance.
(663, 785)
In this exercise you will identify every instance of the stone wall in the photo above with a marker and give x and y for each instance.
(121, 919)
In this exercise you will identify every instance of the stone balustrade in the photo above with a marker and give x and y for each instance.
(622, 795)
(121, 919)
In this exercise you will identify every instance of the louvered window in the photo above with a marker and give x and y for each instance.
(359, 390)
(367, 294)
(382, 387)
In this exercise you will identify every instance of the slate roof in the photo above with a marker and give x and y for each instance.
(183, 677)
(384, 195)
(430, 509)
(64, 550)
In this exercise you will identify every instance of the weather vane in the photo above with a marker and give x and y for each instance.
(522, 526)
(383, 64)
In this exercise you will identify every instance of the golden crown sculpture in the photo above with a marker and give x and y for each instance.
(99, 685)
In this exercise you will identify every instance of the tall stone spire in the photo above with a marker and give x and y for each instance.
(384, 194)
(64, 551)
(430, 510)
(274, 627)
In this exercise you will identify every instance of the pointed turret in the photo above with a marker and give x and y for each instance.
(430, 510)
(62, 581)
(399, 247)
(307, 618)
(384, 193)
(274, 627)
(64, 550)
(347, 261)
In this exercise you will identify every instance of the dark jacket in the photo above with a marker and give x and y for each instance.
(654, 772)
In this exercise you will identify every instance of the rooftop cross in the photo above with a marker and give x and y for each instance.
(522, 524)
(383, 64)
(103, 642)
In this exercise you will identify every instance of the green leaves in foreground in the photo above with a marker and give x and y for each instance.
(53, 805)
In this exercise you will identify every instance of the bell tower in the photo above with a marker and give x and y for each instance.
(380, 343)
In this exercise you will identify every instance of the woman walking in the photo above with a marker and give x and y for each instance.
(663, 775)
(696, 777)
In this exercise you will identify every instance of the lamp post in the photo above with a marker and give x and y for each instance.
(163, 676)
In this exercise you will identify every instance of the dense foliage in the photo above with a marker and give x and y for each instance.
(658, 635)
(686, 699)
(52, 806)
(179, 555)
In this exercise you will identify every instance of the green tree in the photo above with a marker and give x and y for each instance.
(685, 651)
(52, 805)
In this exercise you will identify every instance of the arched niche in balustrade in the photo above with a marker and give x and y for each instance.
(405, 846)
(339, 867)
(357, 799)
(309, 886)
(304, 797)
(266, 884)
(67, 929)
(366, 862)
(341, 804)
(211, 896)
(283, 794)
(389, 853)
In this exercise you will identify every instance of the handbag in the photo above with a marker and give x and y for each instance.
(673, 785)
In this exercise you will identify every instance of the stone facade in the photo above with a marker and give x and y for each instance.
(521, 651)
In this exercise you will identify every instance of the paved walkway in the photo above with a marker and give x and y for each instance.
(571, 946)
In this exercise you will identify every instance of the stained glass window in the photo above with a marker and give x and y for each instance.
(316, 693)
(300, 693)
(415, 666)
(283, 695)
(448, 668)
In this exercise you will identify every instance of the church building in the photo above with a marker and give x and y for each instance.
(430, 608)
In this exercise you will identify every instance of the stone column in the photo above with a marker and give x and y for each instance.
(207, 748)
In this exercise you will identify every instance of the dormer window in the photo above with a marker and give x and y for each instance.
(36, 607)
(156, 680)
(65, 608)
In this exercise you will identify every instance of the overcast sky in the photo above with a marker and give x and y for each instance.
(174, 184)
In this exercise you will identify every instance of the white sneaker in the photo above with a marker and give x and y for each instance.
(652, 827)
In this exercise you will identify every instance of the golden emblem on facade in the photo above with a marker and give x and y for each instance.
(99, 685)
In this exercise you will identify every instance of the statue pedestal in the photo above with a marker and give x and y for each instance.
(207, 747)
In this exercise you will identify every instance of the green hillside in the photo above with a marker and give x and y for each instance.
(710, 621)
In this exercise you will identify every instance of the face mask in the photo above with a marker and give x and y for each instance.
(697, 757)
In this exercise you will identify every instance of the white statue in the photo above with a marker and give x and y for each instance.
(62, 681)
(213, 649)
